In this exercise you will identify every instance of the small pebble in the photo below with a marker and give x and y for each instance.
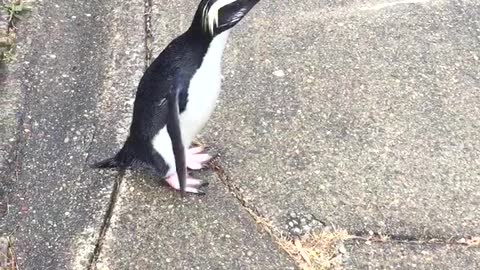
(249, 253)
(279, 73)
(296, 231)
(293, 215)
(342, 249)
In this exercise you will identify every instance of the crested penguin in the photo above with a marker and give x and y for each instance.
(177, 95)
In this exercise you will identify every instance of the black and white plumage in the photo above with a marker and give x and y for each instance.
(177, 95)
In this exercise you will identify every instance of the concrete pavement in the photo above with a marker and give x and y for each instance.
(374, 125)
(355, 115)
(66, 76)
(364, 115)
(411, 256)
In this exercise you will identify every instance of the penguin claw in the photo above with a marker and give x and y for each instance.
(192, 185)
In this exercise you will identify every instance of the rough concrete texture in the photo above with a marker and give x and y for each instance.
(8, 127)
(153, 228)
(9, 100)
(64, 71)
(363, 114)
(412, 256)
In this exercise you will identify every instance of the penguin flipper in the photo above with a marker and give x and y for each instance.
(173, 129)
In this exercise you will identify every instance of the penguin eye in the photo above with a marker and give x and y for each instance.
(211, 14)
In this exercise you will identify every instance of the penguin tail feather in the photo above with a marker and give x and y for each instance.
(106, 164)
(122, 160)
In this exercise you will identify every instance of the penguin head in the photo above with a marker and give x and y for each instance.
(217, 16)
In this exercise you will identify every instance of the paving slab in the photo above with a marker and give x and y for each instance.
(66, 74)
(153, 228)
(364, 114)
(411, 256)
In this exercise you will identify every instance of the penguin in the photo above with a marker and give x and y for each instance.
(177, 95)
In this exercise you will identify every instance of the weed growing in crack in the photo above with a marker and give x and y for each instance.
(10, 13)
(14, 10)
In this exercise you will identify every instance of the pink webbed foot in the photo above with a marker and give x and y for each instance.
(195, 159)
(192, 185)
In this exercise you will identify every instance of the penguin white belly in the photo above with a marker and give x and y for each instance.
(203, 93)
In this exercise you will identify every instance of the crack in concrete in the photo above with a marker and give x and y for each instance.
(216, 167)
(148, 41)
(89, 145)
(148, 32)
(106, 221)
(277, 236)
(280, 238)
(409, 239)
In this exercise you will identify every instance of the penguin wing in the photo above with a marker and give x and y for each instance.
(173, 129)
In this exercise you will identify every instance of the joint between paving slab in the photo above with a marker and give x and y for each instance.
(291, 246)
(148, 32)
(148, 41)
(106, 220)
(257, 216)
(216, 167)
(88, 147)
(409, 239)
(358, 235)
(285, 244)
